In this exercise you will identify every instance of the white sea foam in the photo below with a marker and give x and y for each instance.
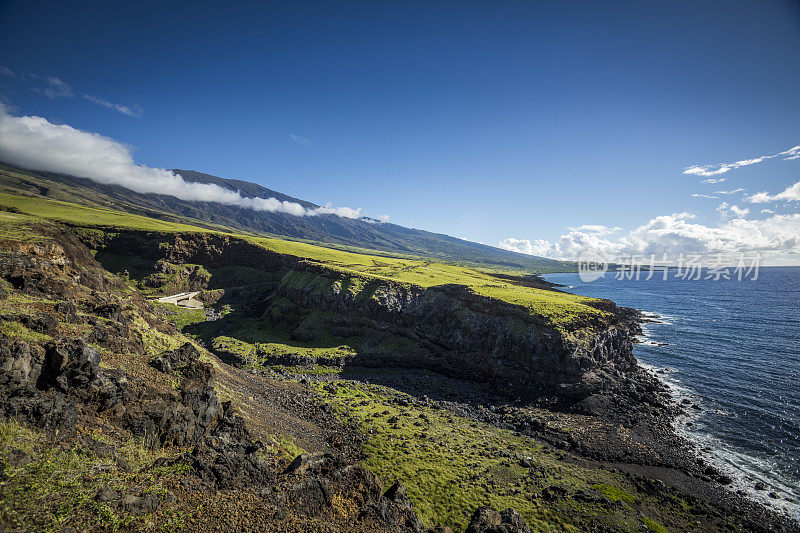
(745, 470)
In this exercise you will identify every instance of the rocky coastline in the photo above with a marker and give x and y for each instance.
(90, 365)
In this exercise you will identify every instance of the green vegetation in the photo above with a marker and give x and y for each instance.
(614, 494)
(79, 215)
(318, 360)
(275, 349)
(360, 269)
(242, 349)
(48, 487)
(180, 316)
(18, 227)
(450, 465)
(17, 330)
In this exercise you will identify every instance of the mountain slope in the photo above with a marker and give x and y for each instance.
(327, 229)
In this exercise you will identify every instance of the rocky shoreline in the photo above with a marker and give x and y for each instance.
(681, 463)
(88, 364)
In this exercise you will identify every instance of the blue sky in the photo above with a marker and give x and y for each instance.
(488, 121)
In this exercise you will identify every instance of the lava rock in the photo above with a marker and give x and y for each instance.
(487, 520)
(177, 358)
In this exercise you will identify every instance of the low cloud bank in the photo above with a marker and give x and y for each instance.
(35, 143)
(676, 234)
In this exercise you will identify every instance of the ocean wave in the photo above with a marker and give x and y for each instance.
(746, 470)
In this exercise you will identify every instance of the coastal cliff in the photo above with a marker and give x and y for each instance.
(306, 389)
(447, 328)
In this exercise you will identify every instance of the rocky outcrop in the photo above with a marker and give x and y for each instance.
(454, 331)
(50, 267)
(487, 520)
(53, 385)
(46, 385)
(207, 249)
(180, 417)
(314, 480)
(174, 359)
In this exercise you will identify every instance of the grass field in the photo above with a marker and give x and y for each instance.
(78, 215)
(451, 465)
(560, 308)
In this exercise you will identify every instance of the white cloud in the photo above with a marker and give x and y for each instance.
(734, 191)
(383, 218)
(707, 170)
(35, 143)
(740, 212)
(768, 211)
(790, 194)
(596, 229)
(538, 247)
(725, 209)
(697, 195)
(344, 212)
(715, 170)
(299, 139)
(673, 235)
(712, 180)
(125, 110)
(54, 87)
(5, 71)
(791, 153)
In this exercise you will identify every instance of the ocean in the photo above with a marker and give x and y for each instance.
(733, 348)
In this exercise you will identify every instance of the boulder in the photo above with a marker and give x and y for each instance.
(70, 364)
(177, 358)
(393, 511)
(228, 457)
(20, 364)
(183, 417)
(313, 462)
(487, 520)
(397, 494)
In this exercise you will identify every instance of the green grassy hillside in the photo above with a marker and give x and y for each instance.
(332, 231)
(559, 307)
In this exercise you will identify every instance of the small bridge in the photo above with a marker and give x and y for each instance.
(183, 299)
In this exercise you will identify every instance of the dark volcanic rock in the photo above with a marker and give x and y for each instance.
(181, 417)
(314, 478)
(52, 411)
(487, 520)
(394, 510)
(228, 457)
(69, 364)
(20, 364)
(41, 384)
(177, 358)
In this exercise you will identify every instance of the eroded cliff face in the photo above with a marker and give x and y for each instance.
(450, 329)
(445, 328)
